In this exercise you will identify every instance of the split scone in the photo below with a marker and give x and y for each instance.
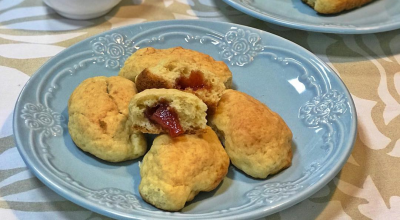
(175, 170)
(334, 6)
(169, 111)
(186, 75)
(149, 57)
(98, 119)
(256, 139)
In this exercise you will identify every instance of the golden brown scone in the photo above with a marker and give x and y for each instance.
(175, 170)
(169, 111)
(149, 57)
(256, 139)
(186, 75)
(98, 119)
(334, 6)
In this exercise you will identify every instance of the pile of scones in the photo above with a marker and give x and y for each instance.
(184, 97)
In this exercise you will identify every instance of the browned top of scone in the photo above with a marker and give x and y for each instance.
(248, 114)
(98, 96)
(149, 56)
(98, 119)
(175, 170)
(257, 140)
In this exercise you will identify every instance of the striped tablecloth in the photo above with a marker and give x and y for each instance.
(366, 188)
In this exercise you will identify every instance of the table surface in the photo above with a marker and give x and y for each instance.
(366, 188)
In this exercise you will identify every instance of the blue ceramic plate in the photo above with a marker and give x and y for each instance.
(378, 16)
(293, 82)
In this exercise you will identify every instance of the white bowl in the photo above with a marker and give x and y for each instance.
(82, 9)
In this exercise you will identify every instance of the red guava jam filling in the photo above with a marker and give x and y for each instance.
(166, 117)
(195, 81)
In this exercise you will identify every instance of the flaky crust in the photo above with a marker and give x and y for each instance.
(175, 170)
(190, 109)
(335, 6)
(256, 139)
(98, 119)
(149, 57)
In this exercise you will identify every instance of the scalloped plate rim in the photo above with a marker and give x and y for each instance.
(311, 27)
(253, 214)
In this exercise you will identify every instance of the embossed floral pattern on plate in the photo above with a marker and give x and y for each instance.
(323, 107)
